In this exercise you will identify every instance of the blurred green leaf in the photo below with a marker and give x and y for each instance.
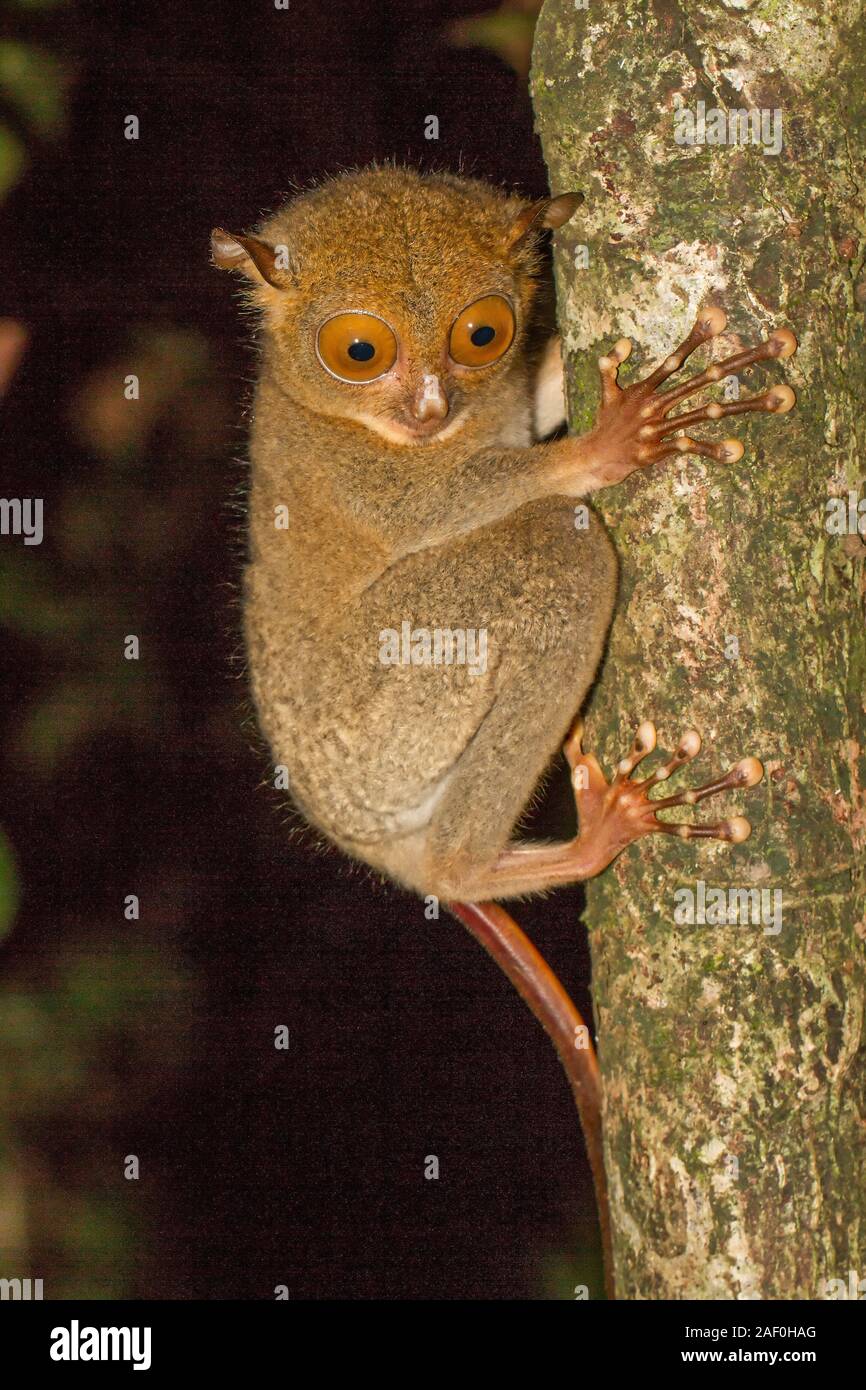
(9, 891)
(36, 82)
(507, 31)
(564, 1272)
(12, 159)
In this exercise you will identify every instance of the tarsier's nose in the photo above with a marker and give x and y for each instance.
(430, 402)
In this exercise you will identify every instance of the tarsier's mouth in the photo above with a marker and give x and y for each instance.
(430, 431)
(401, 429)
(424, 429)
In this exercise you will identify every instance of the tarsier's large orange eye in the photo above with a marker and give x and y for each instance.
(483, 332)
(356, 347)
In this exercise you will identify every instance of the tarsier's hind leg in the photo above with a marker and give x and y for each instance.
(612, 815)
(466, 832)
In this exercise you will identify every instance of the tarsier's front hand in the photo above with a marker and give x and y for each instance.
(634, 426)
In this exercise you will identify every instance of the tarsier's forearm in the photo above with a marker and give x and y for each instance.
(635, 428)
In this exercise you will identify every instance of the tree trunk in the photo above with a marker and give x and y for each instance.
(733, 1056)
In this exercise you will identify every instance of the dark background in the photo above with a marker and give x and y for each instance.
(154, 1037)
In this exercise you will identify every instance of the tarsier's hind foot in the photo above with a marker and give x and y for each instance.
(611, 815)
(614, 814)
(643, 412)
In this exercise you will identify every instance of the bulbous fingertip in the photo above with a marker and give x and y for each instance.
(750, 771)
(646, 736)
(784, 343)
(739, 830)
(690, 744)
(781, 399)
(730, 450)
(711, 320)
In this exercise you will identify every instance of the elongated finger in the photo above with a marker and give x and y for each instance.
(709, 323)
(609, 366)
(687, 750)
(748, 772)
(734, 831)
(728, 451)
(777, 401)
(781, 344)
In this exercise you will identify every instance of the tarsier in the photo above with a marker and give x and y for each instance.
(400, 429)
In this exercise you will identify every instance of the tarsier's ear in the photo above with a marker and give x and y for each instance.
(256, 258)
(545, 212)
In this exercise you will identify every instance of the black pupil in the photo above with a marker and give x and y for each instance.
(483, 335)
(361, 351)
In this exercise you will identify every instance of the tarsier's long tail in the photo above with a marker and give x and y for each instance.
(534, 980)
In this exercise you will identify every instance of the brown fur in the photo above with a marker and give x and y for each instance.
(420, 771)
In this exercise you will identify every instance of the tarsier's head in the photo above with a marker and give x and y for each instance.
(395, 299)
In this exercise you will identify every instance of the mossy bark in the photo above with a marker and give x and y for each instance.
(733, 1056)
